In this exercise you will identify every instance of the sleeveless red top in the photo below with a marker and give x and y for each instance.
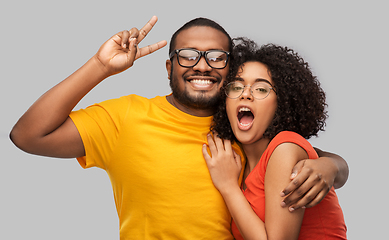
(323, 221)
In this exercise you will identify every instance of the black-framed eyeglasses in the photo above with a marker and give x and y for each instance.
(188, 57)
(259, 90)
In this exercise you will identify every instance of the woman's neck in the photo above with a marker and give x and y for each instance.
(254, 152)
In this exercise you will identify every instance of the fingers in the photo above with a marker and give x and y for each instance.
(131, 55)
(211, 145)
(205, 154)
(296, 182)
(310, 199)
(215, 143)
(220, 148)
(219, 142)
(228, 148)
(139, 34)
(146, 28)
(126, 35)
(297, 168)
(319, 197)
(237, 159)
(151, 48)
(124, 38)
(308, 194)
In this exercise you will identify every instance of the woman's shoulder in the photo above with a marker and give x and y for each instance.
(291, 141)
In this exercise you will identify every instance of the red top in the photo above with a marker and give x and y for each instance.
(323, 221)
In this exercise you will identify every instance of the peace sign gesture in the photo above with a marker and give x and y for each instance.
(121, 50)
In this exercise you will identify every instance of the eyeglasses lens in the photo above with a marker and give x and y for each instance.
(215, 59)
(258, 90)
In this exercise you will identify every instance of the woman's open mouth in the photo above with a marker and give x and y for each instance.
(245, 118)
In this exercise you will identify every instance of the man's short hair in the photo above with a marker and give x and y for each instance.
(199, 22)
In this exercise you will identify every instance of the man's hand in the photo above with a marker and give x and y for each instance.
(312, 179)
(46, 129)
(121, 50)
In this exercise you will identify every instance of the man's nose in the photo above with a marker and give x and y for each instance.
(202, 65)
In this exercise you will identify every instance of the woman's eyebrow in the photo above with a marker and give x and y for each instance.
(239, 79)
(263, 80)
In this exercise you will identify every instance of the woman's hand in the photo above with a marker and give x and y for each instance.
(224, 163)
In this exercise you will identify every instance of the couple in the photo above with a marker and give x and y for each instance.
(151, 148)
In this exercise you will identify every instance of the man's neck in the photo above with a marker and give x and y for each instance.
(188, 110)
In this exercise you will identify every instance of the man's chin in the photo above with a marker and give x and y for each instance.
(200, 100)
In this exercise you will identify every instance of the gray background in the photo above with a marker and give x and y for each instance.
(42, 42)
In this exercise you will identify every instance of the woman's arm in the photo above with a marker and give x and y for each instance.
(280, 222)
(249, 224)
(224, 167)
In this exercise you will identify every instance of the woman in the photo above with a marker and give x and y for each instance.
(273, 105)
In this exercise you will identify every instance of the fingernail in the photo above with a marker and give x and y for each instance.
(293, 175)
(283, 204)
(291, 209)
(124, 45)
(282, 194)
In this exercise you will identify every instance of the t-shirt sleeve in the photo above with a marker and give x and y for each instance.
(99, 127)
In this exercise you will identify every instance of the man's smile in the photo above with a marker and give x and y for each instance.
(202, 82)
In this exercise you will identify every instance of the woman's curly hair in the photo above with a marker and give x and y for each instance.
(300, 99)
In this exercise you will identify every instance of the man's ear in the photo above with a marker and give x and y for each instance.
(168, 68)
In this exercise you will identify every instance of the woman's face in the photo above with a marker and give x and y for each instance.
(250, 117)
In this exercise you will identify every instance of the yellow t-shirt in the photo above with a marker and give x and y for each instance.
(152, 154)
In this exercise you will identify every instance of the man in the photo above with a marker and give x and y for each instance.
(151, 148)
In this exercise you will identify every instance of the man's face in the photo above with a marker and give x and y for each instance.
(198, 87)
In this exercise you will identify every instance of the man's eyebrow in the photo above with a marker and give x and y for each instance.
(211, 49)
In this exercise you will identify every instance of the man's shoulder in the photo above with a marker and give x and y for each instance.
(131, 99)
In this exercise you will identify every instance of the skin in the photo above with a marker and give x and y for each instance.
(187, 79)
(253, 72)
(45, 128)
(310, 180)
(225, 166)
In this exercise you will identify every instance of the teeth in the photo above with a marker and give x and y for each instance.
(244, 109)
(204, 82)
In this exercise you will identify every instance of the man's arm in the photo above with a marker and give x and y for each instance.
(341, 165)
(312, 179)
(45, 128)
